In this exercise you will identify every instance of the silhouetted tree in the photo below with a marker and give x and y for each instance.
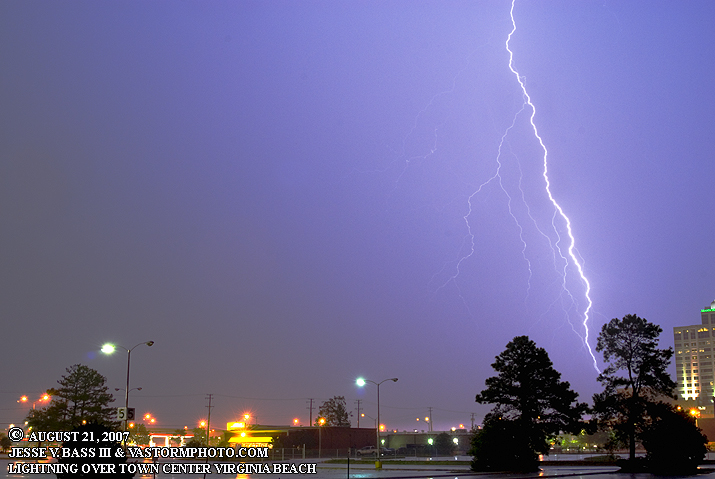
(674, 443)
(532, 405)
(5, 443)
(334, 411)
(81, 398)
(443, 443)
(635, 377)
(499, 446)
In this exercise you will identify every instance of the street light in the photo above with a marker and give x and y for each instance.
(45, 398)
(361, 382)
(109, 349)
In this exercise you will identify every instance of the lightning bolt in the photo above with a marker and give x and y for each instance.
(559, 210)
(571, 255)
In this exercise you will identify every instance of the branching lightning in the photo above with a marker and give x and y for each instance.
(572, 239)
(571, 256)
(560, 238)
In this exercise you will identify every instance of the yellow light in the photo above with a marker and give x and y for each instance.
(295, 421)
(131, 424)
(46, 397)
(202, 423)
(84, 421)
(321, 421)
(382, 427)
(23, 399)
(152, 420)
(246, 417)
(147, 416)
(461, 426)
(427, 419)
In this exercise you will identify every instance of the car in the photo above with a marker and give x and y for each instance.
(387, 451)
(367, 451)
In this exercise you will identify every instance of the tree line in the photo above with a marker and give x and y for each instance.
(532, 405)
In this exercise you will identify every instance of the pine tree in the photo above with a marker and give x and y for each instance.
(532, 405)
(81, 398)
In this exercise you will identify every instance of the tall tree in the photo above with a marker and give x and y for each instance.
(635, 378)
(529, 396)
(335, 412)
(81, 398)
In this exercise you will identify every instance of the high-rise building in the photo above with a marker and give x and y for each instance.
(695, 359)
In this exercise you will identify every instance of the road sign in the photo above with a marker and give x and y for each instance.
(130, 414)
(121, 413)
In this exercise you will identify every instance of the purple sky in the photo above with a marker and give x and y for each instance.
(275, 193)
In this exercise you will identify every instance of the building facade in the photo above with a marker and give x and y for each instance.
(695, 361)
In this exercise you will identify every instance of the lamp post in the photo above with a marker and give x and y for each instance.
(109, 349)
(361, 382)
(45, 398)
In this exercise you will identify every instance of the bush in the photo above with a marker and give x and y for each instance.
(674, 444)
(501, 446)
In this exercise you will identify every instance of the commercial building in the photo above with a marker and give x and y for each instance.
(695, 361)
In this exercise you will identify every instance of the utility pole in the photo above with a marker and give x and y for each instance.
(473, 420)
(208, 420)
(430, 418)
(311, 412)
(208, 427)
(358, 410)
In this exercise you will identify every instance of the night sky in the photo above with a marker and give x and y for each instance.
(275, 193)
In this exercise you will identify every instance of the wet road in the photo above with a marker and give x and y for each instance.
(363, 471)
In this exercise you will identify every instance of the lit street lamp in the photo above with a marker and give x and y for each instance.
(45, 398)
(109, 349)
(361, 382)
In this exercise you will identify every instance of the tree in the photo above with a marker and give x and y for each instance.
(178, 436)
(334, 412)
(5, 443)
(139, 435)
(199, 439)
(532, 405)
(635, 378)
(81, 398)
(674, 442)
(225, 440)
(444, 445)
(494, 447)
